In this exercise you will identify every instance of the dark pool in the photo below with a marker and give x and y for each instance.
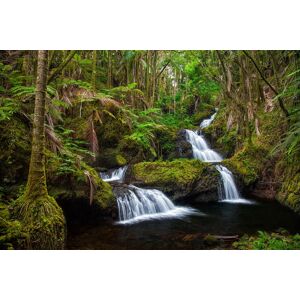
(224, 219)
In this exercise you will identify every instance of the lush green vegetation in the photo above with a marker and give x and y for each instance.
(281, 240)
(106, 109)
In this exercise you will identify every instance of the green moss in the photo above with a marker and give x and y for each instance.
(121, 160)
(12, 235)
(74, 183)
(248, 163)
(179, 172)
(104, 196)
(42, 221)
(203, 114)
(289, 193)
(111, 158)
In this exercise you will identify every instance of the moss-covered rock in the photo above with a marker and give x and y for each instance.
(181, 178)
(110, 158)
(183, 147)
(203, 113)
(83, 183)
(247, 163)
(289, 193)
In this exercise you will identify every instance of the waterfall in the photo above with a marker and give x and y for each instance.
(201, 151)
(200, 148)
(137, 204)
(229, 191)
(115, 175)
(206, 122)
(229, 187)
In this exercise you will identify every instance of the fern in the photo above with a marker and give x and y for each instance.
(7, 109)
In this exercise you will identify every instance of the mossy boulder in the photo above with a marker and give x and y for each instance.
(248, 163)
(79, 183)
(181, 179)
(110, 158)
(289, 193)
(183, 147)
(79, 189)
(203, 113)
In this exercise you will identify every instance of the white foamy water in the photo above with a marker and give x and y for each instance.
(115, 175)
(206, 122)
(230, 192)
(200, 148)
(137, 204)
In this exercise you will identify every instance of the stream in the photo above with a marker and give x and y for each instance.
(148, 219)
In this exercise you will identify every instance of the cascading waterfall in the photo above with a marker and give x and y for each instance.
(206, 122)
(115, 175)
(137, 204)
(200, 148)
(202, 151)
(229, 187)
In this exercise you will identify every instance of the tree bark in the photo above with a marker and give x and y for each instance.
(37, 176)
(94, 72)
(109, 69)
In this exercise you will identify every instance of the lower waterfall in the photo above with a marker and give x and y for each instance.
(229, 191)
(137, 204)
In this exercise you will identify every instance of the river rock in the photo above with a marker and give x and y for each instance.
(183, 180)
(183, 148)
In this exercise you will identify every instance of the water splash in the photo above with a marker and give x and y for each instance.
(200, 148)
(115, 175)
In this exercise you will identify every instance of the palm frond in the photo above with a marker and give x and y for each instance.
(92, 184)
(92, 136)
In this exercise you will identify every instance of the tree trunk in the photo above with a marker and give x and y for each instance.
(42, 218)
(37, 177)
(94, 73)
(109, 69)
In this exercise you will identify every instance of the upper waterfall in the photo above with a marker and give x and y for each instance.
(200, 148)
(206, 122)
(115, 175)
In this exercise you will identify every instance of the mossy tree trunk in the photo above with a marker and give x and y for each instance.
(37, 176)
(42, 218)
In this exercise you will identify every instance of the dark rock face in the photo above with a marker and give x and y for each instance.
(183, 148)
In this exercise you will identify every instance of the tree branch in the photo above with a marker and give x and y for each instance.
(285, 111)
(56, 71)
(163, 69)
